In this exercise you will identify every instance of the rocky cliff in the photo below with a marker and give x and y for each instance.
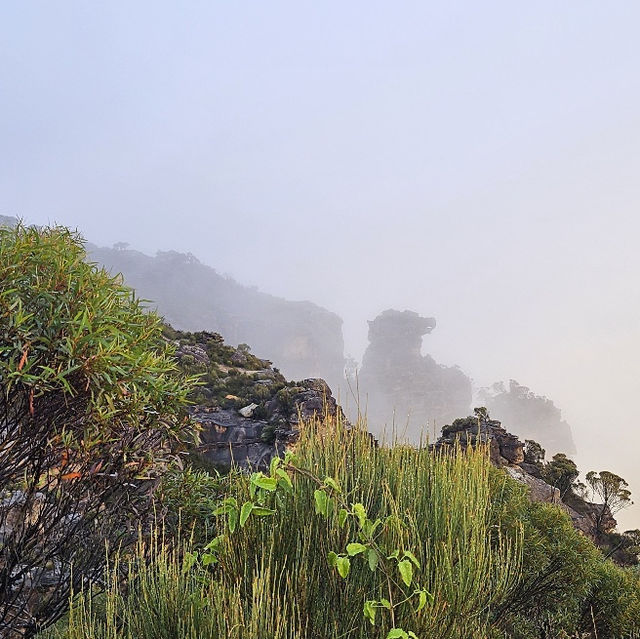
(523, 461)
(400, 385)
(247, 410)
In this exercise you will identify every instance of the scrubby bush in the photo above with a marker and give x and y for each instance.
(90, 412)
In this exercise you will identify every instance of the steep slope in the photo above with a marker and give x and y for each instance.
(302, 339)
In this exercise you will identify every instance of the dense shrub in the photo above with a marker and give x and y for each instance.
(89, 414)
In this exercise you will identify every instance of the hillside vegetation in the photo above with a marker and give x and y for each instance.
(337, 538)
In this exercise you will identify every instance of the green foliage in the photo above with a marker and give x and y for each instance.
(613, 605)
(346, 539)
(90, 415)
(187, 499)
(561, 472)
(611, 490)
(69, 326)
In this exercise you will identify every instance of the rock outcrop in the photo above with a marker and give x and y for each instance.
(302, 339)
(529, 415)
(522, 461)
(247, 410)
(400, 385)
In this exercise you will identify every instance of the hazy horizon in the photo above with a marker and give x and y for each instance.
(475, 163)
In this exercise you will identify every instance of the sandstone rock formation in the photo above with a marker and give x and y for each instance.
(399, 385)
(523, 462)
(248, 411)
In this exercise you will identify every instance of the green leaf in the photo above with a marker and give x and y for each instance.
(215, 543)
(331, 482)
(208, 559)
(355, 549)
(397, 633)
(232, 519)
(342, 517)
(385, 603)
(344, 565)
(320, 498)
(332, 558)
(360, 512)
(284, 477)
(422, 600)
(372, 558)
(405, 568)
(266, 483)
(189, 560)
(412, 635)
(247, 507)
(260, 511)
(370, 611)
(274, 464)
(412, 557)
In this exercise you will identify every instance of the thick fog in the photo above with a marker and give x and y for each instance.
(473, 162)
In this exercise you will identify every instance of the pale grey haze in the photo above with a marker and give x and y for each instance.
(473, 161)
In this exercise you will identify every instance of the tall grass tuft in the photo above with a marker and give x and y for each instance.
(273, 580)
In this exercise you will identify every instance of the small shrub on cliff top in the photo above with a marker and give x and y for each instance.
(89, 413)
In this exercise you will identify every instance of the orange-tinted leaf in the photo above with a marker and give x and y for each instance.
(71, 476)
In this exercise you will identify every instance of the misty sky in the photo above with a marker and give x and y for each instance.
(474, 161)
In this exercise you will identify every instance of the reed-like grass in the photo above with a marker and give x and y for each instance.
(273, 580)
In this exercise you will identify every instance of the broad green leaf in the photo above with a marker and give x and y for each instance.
(412, 557)
(247, 507)
(332, 558)
(370, 611)
(208, 559)
(344, 565)
(342, 517)
(372, 558)
(232, 519)
(189, 560)
(355, 549)
(274, 464)
(266, 483)
(397, 633)
(360, 512)
(282, 474)
(261, 511)
(385, 603)
(422, 600)
(320, 498)
(405, 568)
(331, 482)
(215, 543)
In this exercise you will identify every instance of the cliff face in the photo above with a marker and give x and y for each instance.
(303, 339)
(523, 462)
(401, 385)
(247, 411)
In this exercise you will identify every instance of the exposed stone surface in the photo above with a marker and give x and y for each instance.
(522, 462)
(400, 385)
(248, 412)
